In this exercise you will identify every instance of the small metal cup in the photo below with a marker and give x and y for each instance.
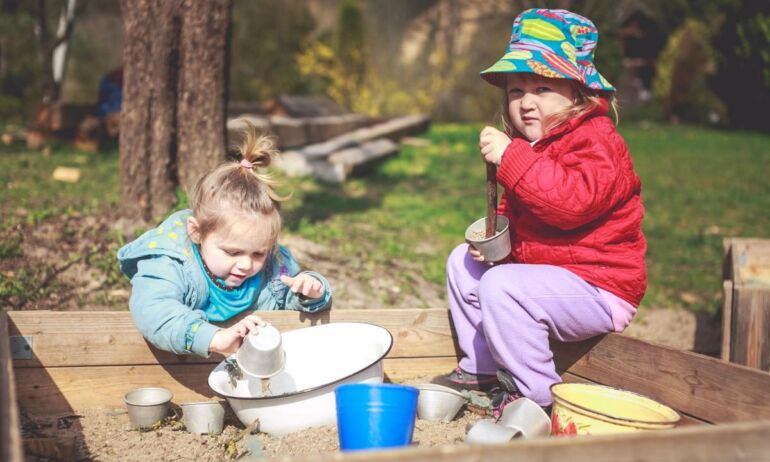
(147, 406)
(526, 417)
(261, 355)
(486, 431)
(494, 248)
(438, 403)
(203, 417)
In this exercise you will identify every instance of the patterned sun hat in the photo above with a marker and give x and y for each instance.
(551, 43)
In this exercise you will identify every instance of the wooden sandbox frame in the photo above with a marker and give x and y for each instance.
(81, 360)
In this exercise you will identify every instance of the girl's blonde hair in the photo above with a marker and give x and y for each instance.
(240, 187)
(584, 100)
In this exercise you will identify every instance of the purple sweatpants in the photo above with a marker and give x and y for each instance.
(504, 315)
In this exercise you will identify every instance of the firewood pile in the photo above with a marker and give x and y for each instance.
(318, 138)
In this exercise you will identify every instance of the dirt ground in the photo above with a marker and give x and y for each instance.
(106, 435)
(68, 264)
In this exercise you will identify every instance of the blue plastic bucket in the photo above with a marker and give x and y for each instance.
(375, 415)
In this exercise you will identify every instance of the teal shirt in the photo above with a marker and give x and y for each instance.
(172, 303)
(224, 304)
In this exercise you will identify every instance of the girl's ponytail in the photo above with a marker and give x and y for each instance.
(258, 152)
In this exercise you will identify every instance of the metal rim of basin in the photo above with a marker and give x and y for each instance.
(317, 387)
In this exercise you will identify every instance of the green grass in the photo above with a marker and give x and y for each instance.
(699, 185)
(413, 208)
(29, 194)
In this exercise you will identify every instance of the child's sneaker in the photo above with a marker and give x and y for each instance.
(500, 399)
(460, 380)
(506, 381)
(506, 393)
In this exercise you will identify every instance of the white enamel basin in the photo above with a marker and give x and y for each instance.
(318, 359)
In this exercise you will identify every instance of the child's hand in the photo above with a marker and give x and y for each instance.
(493, 143)
(475, 254)
(228, 340)
(305, 285)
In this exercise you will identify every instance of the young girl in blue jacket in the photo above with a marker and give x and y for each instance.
(218, 260)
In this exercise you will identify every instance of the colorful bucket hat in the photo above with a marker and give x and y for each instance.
(552, 43)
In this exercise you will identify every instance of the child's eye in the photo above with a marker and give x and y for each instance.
(259, 254)
(231, 253)
(543, 89)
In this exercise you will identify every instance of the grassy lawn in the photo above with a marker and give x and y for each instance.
(700, 185)
(29, 195)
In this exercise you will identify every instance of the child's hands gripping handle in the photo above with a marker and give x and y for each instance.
(492, 144)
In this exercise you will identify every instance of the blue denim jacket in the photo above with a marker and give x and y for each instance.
(170, 288)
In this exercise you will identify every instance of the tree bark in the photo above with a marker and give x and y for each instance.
(174, 99)
(201, 116)
(147, 146)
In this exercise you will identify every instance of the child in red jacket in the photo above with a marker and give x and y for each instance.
(576, 267)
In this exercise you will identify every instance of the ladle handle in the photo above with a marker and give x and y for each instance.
(491, 200)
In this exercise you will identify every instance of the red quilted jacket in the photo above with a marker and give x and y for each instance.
(574, 201)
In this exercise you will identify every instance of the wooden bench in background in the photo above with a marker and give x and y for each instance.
(82, 360)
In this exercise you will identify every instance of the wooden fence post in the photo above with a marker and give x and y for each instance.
(746, 291)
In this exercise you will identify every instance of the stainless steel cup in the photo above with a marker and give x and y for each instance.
(486, 431)
(147, 406)
(203, 417)
(526, 417)
(494, 248)
(438, 403)
(261, 355)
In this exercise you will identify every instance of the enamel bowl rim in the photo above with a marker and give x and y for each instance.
(320, 386)
(673, 415)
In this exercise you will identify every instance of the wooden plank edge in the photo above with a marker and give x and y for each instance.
(727, 318)
(745, 441)
(110, 338)
(69, 389)
(10, 429)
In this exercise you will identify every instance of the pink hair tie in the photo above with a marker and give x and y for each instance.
(246, 164)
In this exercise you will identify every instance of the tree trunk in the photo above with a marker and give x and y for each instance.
(147, 132)
(173, 108)
(201, 116)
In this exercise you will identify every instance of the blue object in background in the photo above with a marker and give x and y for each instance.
(375, 415)
(111, 92)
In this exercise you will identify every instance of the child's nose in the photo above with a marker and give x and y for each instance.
(528, 100)
(244, 262)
